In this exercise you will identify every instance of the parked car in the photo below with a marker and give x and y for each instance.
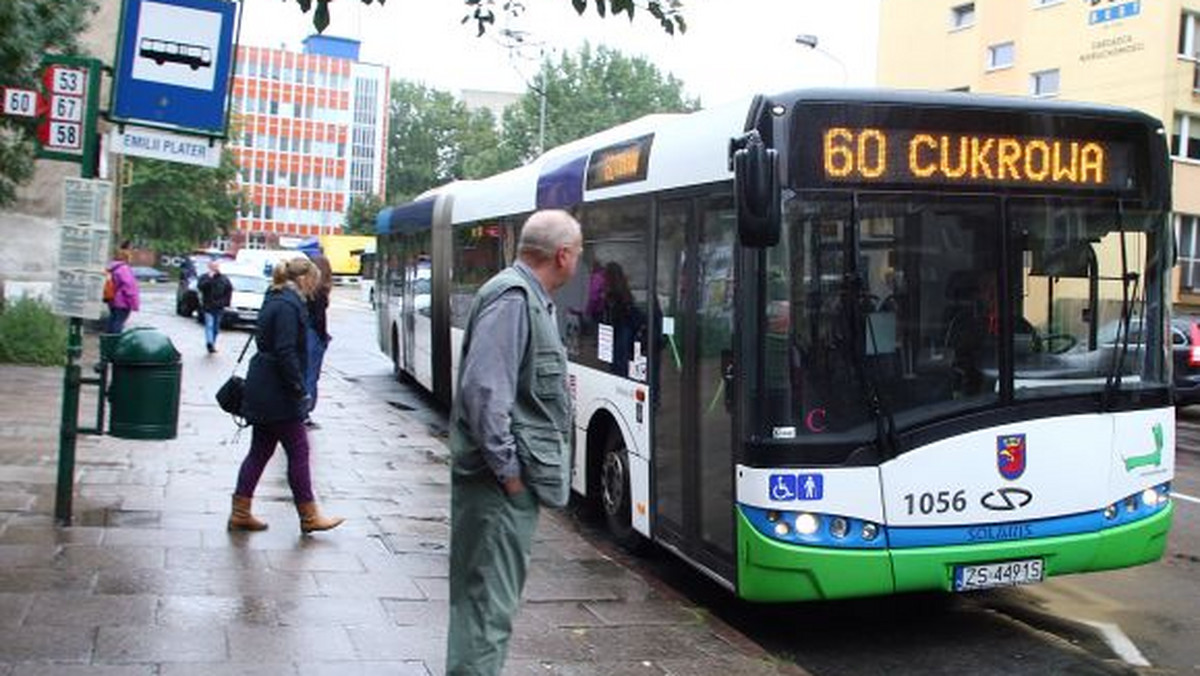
(1185, 353)
(150, 275)
(249, 290)
(187, 297)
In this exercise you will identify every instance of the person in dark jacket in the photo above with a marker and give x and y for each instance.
(275, 402)
(318, 331)
(216, 291)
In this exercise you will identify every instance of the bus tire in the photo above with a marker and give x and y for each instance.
(615, 496)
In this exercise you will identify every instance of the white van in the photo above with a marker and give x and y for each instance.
(265, 259)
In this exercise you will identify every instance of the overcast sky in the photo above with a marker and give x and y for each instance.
(732, 48)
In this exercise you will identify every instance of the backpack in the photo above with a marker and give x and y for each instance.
(110, 287)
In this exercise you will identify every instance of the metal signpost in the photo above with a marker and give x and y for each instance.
(85, 230)
(173, 65)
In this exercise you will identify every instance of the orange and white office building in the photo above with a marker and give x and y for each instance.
(1142, 54)
(312, 135)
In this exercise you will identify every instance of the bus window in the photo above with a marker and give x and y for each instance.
(479, 253)
(1083, 299)
(898, 308)
(606, 303)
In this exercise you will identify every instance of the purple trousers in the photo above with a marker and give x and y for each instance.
(263, 441)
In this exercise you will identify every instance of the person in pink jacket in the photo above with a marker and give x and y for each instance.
(126, 298)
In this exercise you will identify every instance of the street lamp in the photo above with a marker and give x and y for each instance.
(812, 42)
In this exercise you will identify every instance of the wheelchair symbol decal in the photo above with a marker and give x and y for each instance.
(783, 487)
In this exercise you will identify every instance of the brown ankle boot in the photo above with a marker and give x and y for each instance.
(240, 517)
(311, 519)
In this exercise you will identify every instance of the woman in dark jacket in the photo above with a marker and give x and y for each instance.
(275, 402)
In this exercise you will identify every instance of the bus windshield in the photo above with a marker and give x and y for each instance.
(893, 305)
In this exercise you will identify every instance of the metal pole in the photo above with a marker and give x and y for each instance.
(67, 429)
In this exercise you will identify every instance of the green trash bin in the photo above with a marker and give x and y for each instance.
(143, 395)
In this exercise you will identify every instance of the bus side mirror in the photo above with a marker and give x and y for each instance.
(756, 191)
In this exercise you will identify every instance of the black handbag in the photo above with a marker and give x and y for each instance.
(230, 395)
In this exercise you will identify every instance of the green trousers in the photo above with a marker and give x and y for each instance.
(490, 539)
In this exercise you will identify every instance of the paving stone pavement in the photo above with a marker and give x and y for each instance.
(146, 580)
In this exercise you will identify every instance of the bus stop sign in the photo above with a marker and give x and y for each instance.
(173, 65)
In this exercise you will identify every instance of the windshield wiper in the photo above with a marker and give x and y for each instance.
(1112, 381)
(885, 423)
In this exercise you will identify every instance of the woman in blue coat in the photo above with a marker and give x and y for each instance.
(276, 402)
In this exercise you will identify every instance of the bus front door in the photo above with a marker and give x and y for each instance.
(693, 430)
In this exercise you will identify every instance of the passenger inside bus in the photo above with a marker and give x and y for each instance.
(626, 321)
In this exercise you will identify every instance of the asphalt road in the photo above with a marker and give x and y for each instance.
(1135, 621)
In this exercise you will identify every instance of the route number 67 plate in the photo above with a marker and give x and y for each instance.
(1006, 574)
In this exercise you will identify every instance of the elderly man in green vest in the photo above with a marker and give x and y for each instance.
(510, 437)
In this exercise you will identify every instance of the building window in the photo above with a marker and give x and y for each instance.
(1001, 56)
(1044, 83)
(1187, 36)
(1185, 137)
(1189, 252)
(962, 16)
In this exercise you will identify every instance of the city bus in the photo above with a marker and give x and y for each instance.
(838, 343)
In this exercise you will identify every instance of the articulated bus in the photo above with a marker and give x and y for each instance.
(837, 343)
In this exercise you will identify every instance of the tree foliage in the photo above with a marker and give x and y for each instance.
(360, 217)
(434, 139)
(28, 30)
(668, 13)
(168, 206)
(587, 92)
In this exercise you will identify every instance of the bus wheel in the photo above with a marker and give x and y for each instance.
(615, 498)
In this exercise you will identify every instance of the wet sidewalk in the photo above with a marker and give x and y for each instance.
(148, 581)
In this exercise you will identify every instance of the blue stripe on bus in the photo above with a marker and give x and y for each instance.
(562, 186)
(903, 537)
(405, 217)
(1129, 510)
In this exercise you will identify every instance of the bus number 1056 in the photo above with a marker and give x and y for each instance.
(936, 503)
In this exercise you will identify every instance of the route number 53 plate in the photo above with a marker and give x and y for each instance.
(1006, 574)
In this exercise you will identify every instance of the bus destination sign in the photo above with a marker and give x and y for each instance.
(624, 162)
(885, 156)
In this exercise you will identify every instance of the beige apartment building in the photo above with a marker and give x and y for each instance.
(1143, 54)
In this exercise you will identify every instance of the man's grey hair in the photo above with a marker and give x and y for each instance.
(546, 231)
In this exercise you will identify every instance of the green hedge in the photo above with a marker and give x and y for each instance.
(31, 334)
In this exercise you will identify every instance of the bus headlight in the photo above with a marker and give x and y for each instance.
(807, 524)
(781, 529)
(1110, 512)
(1151, 497)
(869, 531)
(838, 527)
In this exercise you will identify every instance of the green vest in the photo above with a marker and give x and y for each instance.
(541, 414)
